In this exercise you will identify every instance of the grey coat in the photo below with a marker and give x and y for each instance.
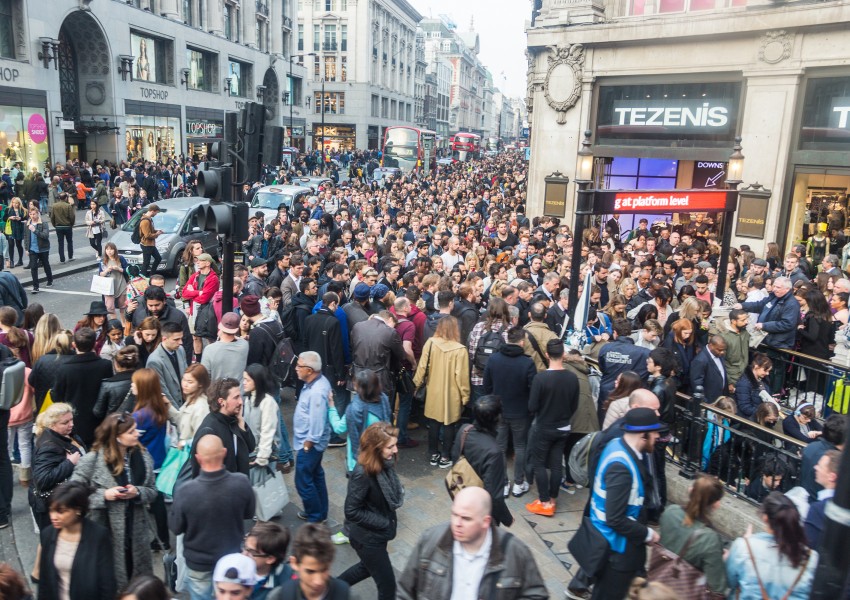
(93, 470)
(159, 362)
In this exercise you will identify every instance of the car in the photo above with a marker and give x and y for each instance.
(446, 161)
(382, 173)
(270, 197)
(178, 219)
(314, 183)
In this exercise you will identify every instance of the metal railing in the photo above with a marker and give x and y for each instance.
(797, 378)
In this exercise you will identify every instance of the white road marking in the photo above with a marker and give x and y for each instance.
(50, 291)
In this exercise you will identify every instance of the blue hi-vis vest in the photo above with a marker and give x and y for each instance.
(615, 452)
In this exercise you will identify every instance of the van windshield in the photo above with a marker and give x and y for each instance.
(271, 200)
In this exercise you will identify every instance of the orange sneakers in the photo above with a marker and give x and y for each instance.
(539, 508)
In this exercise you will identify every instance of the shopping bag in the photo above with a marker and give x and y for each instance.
(271, 495)
(102, 285)
(170, 469)
(48, 401)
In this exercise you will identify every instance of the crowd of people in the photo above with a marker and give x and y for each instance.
(428, 302)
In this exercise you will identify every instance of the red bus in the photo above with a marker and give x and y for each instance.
(466, 146)
(408, 148)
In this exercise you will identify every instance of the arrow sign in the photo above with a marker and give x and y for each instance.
(712, 181)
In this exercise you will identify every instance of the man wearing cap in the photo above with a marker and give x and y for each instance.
(255, 285)
(234, 577)
(148, 235)
(617, 503)
(227, 357)
(357, 310)
(757, 268)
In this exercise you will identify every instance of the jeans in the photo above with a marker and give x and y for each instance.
(200, 584)
(23, 433)
(310, 483)
(548, 453)
(284, 453)
(65, 235)
(517, 429)
(40, 257)
(449, 432)
(405, 402)
(42, 204)
(150, 253)
(5, 468)
(374, 563)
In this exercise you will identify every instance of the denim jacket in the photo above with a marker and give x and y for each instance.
(775, 570)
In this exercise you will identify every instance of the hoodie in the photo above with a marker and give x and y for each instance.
(431, 325)
(510, 372)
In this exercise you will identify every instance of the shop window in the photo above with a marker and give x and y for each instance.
(330, 68)
(151, 56)
(241, 77)
(203, 69)
(625, 173)
(334, 103)
(818, 196)
(152, 138)
(826, 115)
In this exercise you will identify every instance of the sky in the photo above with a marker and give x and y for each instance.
(501, 30)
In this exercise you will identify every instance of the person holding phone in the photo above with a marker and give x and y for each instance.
(37, 239)
(120, 472)
(148, 235)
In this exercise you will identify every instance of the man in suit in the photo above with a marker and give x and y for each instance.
(557, 312)
(169, 361)
(376, 345)
(709, 370)
(830, 265)
(290, 286)
(78, 380)
(826, 474)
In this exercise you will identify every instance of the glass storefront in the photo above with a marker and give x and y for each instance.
(23, 137)
(818, 196)
(152, 138)
(336, 137)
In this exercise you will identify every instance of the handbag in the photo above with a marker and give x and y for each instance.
(105, 286)
(47, 402)
(404, 383)
(421, 391)
(462, 475)
(764, 594)
(669, 568)
(170, 469)
(272, 495)
(8, 229)
(589, 547)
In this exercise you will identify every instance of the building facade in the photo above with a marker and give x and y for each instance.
(361, 58)
(137, 79)
(665, 87)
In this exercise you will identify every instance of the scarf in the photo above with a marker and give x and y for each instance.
(391, 486)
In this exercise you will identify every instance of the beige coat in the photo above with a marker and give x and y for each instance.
(447, 391)
(542, 334)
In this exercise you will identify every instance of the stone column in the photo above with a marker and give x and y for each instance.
(215, 17)
(170, 9)
(249, 23)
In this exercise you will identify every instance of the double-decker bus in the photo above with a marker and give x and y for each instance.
(466, 146)
(409, 148)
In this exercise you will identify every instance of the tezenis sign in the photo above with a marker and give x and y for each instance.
(682, 114)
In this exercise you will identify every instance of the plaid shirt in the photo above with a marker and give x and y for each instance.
(477, 377)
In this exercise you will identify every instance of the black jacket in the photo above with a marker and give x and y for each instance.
(115, 395)
(368, 516)
(555, 318)
(467, 315)
(510, 373)
(263, 341)
(704, 372)
(291, 590)
(486, 458)
(236, 460)
(92, 572)
(50, 466)
(43, 375)
(322, 333)
(169, 315)
(815, 337)
(665, 388)
(302, 308)
(78, 381)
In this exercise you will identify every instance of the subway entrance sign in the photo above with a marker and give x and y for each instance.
(663, 201)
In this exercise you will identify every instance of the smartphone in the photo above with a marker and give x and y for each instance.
(122, 490)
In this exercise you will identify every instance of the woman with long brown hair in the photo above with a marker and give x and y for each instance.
(194, 385)
(120, 472)
(679, 525)
(616, 405)
(374, 495)
(146, 338)
(150, 413)
(680, 341)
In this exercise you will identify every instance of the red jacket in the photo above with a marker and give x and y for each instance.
(202, 296)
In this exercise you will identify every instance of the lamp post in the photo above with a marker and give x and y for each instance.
(584, 208)
(734, 169)
(323, 123)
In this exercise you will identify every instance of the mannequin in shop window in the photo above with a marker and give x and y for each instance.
(818, 245)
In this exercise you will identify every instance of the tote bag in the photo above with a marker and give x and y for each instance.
(105, 286)
(170, 469)
(272, 495)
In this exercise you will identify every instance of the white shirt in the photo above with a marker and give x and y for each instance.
(719, 364)
(468, 569)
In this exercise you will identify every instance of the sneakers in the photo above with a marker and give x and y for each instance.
(507, 490)
(445, 463)
(303, 516)
(408, 443)
(538, 508)
(336, 442)
(435, 459)
(568, 487)
(520, 489)
(339, 538)
(577, 594)
(48, 284)
(284, 468)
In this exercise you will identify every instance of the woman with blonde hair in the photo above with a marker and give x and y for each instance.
(16, 215)
(691, 525)
(628, 288)
(120, 472)
(57, 452)
(444, 369)
(374, 495)
(616, 307)
(43, 374)
(45, 330)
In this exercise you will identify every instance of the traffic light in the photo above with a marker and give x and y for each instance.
(252, 119)
(272, 145)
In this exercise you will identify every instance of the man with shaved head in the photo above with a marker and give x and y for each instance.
(468, 557)
(216, 496)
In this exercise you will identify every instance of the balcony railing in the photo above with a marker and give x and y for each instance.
(329, 46)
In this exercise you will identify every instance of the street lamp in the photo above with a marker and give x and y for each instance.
(734, 170)
(584, 208)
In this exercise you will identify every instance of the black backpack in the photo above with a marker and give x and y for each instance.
(289, 322)
(488, 345)
(136, 236)
(282, 363)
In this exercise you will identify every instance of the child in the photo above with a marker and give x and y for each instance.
(114, 339)
(312, 555)
(266, 544)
